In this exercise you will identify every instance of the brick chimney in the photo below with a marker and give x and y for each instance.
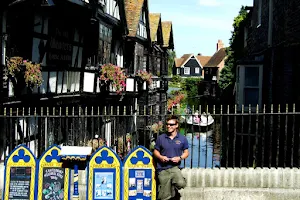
(220, 45)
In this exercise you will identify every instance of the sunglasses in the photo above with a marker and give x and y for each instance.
(170, 124)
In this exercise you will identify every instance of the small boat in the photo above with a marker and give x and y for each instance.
(203, 120)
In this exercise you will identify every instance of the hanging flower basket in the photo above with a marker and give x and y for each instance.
(30, 71)
(114, 77)
(145, 76)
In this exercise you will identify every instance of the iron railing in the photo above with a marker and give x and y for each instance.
(269, 137)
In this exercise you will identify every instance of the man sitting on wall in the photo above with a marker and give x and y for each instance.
(170, 149)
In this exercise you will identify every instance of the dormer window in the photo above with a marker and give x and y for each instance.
(102, 2)
(142, 32)
(112, 8)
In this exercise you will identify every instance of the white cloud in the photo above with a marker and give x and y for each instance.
(209, 3)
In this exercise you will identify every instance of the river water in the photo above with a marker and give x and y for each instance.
(201, 151)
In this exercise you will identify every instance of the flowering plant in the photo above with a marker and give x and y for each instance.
(32, 74)
(145, 76)
(115, 75)
(176, 100)
(157, 127)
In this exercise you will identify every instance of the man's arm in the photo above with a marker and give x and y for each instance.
(159, 156)
(157, 149)
(185, 154)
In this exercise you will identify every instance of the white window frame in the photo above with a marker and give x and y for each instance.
(240, 96)
(197, 70)
(187, 70)
(142, 31)
(178, 71)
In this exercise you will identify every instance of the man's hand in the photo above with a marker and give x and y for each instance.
(175, 159)
(164, 159)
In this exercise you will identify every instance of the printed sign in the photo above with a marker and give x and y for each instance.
(53, 179)
(19, 177)
(139, 173)
(104, 182)
(19, 186)
(60, 43)
(104, 175)
(53, 183)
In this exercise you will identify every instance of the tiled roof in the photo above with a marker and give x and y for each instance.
(178, 62)
(183, 59)
(166, 29)
(203, 59)
(133, 11)
(216, 58)
(154, 22)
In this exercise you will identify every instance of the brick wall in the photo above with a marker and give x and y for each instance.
(292, 22)
(282, 67)
(258, 34)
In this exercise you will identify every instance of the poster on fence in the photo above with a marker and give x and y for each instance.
(139, 175)
(104, 175)
(19, 175)
(53, 180)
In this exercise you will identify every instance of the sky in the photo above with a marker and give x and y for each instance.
(198, 24)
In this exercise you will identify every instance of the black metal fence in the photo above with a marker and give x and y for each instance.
(219, 137)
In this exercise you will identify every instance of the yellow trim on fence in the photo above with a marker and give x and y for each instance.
(43, 164)
(115, 165)
(139, 165)
(10, 163)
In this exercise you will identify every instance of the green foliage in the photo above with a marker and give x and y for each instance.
(171, 60)
(177, 79)
(235, 51)
(190, 86)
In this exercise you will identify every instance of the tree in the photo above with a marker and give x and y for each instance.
(235, 52)
(171, 60)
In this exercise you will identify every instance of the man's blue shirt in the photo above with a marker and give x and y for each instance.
(170, 148)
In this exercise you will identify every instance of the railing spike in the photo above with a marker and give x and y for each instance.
(294, 108)
(221, 111)
(272, 108)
